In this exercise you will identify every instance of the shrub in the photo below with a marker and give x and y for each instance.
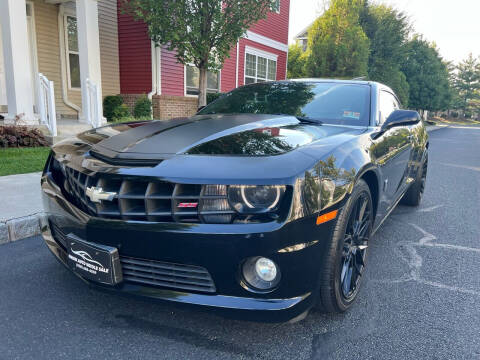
(213, 96)
(143, 107)
(21, 136)
(110, 103)
(120, 112)
(124, 119)
(454, 114)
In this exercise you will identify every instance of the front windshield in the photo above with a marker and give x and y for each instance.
(329, 102)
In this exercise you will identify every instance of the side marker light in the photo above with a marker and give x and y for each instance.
(327, 217)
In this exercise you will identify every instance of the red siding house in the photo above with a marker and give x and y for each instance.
(260, 55)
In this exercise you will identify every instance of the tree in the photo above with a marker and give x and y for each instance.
(455, 100)
(202, 32)
(467, 84)
(296, 61)
(337, 45)
(427, 76)
(388, 31)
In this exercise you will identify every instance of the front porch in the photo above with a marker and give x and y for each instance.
(50, 64)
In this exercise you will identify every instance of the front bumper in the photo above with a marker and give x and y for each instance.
(297, 247)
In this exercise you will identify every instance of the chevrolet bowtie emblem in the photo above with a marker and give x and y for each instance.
(96, 194)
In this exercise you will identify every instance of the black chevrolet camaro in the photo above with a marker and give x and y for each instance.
(261, 205)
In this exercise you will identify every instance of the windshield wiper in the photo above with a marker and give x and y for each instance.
(306, 119)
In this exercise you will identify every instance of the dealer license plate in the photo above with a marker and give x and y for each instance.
(93, 261)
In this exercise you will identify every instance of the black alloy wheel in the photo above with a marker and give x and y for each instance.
(344, 263)
(355, 245)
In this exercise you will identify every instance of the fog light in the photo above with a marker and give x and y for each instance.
(266, 269)
(261, 273)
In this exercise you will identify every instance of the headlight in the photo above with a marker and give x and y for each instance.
(249, 199)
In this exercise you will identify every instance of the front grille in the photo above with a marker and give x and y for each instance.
(143, 200)
(163, 274)
(155, 273)
(58, 235)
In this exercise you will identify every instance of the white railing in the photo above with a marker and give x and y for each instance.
(46, 104)
(94, 105)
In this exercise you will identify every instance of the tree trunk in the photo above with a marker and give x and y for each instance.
(202, 87)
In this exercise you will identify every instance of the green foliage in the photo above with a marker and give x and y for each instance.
(213, 96)
(466, 82)
(356, 37)
(296, 61)
(121, 112)
(143, 107)
(110, 103)
(337, 44)
(129, 119)
(201, 32)
(427, 76)
(388, 30)
(22, 160)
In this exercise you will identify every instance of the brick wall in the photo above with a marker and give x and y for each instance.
(130, 100)
(166, 106)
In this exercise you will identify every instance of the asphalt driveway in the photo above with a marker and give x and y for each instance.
(420, 300)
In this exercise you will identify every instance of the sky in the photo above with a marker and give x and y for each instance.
(453, 25)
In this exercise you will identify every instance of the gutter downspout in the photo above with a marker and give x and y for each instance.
(156, 73)
(159, 69)
(63, 66)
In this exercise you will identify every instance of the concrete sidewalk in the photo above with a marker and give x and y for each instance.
(20, 206)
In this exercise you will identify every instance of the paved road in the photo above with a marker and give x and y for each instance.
(421, 298)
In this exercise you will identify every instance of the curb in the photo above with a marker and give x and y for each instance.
(431, 128)
(20, 228)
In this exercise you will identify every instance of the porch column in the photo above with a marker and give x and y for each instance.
(18, 74)
(89, 49)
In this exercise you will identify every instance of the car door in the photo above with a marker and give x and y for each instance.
(392, 151)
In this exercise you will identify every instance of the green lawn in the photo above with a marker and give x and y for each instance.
(22, 160)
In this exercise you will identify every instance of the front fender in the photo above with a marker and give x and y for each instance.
(328, 184)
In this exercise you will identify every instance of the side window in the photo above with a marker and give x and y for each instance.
(388, 104)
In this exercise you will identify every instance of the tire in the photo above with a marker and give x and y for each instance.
(333, 296)
(413, 196)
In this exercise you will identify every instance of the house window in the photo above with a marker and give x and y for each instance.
(259, 68)
(193, 77)
(304, 44)
(73, 58)
(275, 6)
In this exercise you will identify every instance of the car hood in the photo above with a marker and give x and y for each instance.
(242, 134)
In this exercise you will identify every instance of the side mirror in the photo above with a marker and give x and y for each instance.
(200, 108)
(401, 117)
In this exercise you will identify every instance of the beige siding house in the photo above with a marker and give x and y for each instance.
(66, 63)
